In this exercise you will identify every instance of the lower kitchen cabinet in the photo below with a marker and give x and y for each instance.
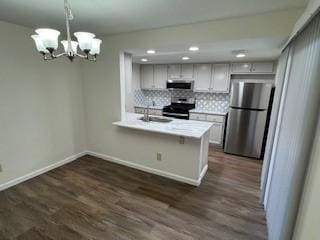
(217, 130)
(216, 133)
(198, 116)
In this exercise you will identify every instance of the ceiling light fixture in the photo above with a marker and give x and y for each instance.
(185, 58)
(151, 51)
(194, 48)
(240, 53)
(144, 60)
(46, 41)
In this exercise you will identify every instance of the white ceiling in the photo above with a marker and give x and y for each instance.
(115, 16)
(257, 49)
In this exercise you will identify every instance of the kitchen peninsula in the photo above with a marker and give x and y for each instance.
(181, 151)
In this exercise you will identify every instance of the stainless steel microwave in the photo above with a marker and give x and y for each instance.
(180, 85)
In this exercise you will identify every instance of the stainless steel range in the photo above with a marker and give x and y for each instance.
(179, 108)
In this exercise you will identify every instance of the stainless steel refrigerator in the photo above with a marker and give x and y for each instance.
(247, 118)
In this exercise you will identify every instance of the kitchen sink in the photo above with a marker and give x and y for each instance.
(157, 119)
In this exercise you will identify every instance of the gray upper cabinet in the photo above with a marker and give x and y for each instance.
(202, 77)
(174, 71)
(241, 67)
(256, 67)
(207, 77)
(146, 74)
(178, 71)
(187, 71)
(160, 76)
(220, 78)
(262, 67)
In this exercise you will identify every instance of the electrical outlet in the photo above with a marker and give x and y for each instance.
(159, 156)
(0, 168)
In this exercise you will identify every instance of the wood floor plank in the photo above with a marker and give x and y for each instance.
(94, 199)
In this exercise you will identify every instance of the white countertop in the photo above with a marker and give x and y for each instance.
(151, 107)
(184, 128)
(208, 112)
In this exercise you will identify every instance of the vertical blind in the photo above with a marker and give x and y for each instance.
(296, 132)
(278, 96)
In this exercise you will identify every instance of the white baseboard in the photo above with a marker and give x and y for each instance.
(194, 182)
(40, 171)
(203, 172)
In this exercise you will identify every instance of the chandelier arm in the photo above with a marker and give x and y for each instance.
(81, 56)
(46, 58)
(59, 55)
(92, 58)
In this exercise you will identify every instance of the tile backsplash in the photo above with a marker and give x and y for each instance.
(216, 102)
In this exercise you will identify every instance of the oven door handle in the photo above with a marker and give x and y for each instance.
(176, 114)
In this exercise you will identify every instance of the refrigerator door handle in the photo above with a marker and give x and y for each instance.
(249, 109)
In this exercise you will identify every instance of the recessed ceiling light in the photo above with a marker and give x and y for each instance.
(194, 48)
(151, 51)
(144, 60)
(185, 58)
(241, 55)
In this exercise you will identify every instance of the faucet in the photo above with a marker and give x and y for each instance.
(146, 114)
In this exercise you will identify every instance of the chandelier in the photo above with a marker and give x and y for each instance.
(46, 41)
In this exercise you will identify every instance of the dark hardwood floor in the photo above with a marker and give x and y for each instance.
(94, 199)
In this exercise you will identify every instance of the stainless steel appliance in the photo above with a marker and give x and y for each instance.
(180, 85)
(179, 108)
(247, 118)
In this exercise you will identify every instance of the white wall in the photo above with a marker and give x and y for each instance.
(41, 106)
(129, 97)
(102, 92)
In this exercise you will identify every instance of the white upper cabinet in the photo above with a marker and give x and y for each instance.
(262, 67)
(241, 67)
(220, 78)
(174, 71)
(146, 75)
(256, 67)
(160, 76)
(187, 71)
(202, 77)
(208, 77)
